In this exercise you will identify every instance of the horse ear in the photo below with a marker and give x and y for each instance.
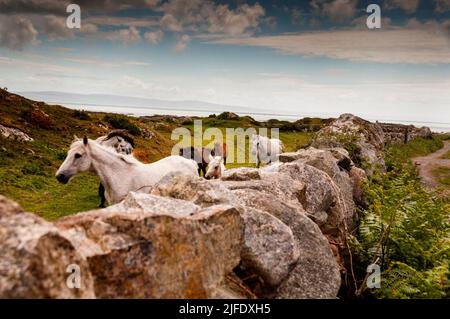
(210, 157)
(75, 137)
(85, 140)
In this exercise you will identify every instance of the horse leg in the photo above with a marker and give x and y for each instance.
(204, 170)
(101, 193)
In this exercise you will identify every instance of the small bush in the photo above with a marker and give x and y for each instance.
(38, 118)
(228, 116)
(121, 122)
(81, 115)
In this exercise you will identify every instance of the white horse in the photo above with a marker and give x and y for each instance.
(265, 149)
(216, 167)
(119, 174)
(121, 142)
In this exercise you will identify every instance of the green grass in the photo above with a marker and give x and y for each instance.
(406, 152)
(418, 147)
(442, 174)
(446, 155)
(292, 140)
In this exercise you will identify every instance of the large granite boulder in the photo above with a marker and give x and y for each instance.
(153, 247)
(268, 250)
(336, 164)
(316, 273)
(324, 202)
(14, 134)
(241, 174)
(36, 260)
(272, 182)
(363, 139)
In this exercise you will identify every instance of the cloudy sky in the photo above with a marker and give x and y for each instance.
(307, 57)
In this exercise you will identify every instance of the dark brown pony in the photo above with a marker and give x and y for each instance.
(201, 156)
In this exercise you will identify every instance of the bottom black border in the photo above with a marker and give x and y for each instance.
(238, 308)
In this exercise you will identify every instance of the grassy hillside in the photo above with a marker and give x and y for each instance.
(27, 168)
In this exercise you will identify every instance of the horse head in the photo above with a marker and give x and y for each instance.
(215, 168)
(78, 160)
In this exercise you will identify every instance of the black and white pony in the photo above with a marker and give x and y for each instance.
(122, 143)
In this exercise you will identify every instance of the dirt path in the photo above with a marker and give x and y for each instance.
(426, 164)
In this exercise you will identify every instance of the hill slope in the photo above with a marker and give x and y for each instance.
(27, 168)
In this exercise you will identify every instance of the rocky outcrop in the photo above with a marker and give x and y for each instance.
(315, 274)
(336, 164)
(14, 134)
(358, 177)
(153, 247)
(281, 242)
(144, 247)
(269, 250)
(364, 140)
(398, 133)
(36, 259)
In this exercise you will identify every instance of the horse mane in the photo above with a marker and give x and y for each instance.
(130, 159)
(121, 133)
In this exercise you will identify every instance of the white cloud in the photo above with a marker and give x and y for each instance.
(422, 44)
(126, 36)
(95, 62)
(337, 11)
(207, 16)
(59, 6)
(54, 27)
(182, 43)
(137, 63)
(154, 37)
(27, 65)
(170, 23)
(408, 6)
(133, 82)
(122, 21)
(16, 32)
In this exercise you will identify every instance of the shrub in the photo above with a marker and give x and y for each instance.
(228, 116)
(81, 115)
(121, 122)
(38, 118)
(406, 229)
